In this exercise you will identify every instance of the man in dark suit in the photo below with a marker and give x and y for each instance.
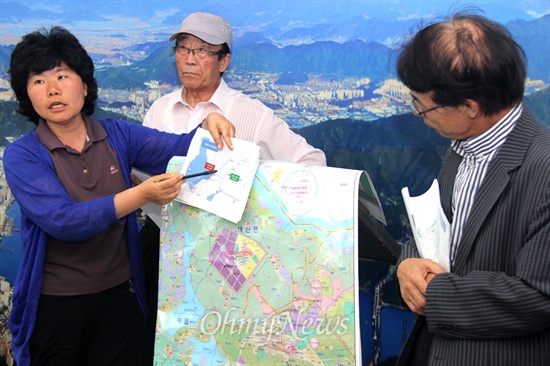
(466, 76)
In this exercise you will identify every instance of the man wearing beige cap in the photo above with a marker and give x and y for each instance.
(202, 50)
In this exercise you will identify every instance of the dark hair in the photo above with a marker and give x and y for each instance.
(465, 57)
(41, 51)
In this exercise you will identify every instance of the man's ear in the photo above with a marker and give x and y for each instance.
(224, 62)
(471, 107)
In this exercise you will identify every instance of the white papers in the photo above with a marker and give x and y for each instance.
(225, 192)
(429, 225)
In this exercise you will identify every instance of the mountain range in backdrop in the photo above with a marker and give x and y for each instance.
(344, 38)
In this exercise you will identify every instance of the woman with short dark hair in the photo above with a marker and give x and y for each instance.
(79, 295)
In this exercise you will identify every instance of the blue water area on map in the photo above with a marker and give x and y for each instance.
(202, 349)
(211, 196)
(199, 163)
(280, 206)
(198, 309)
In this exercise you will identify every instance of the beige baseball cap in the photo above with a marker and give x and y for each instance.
(210, 28)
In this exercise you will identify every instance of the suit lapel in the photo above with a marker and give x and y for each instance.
(488, 194)
(508, 158)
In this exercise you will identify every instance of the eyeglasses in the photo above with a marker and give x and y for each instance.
(420, 112)
(199, 52)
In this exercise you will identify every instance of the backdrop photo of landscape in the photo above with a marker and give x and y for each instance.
(325, 67)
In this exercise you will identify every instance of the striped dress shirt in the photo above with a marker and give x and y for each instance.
(253, 122)
(477, 154)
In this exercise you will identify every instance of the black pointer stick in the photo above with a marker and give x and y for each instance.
(207, 172)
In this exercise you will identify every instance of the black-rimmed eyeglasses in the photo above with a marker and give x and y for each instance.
(420, 112)
(198, 52)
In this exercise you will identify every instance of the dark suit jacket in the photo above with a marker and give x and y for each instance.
(493, 308)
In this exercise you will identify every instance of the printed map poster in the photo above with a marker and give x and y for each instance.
(279, 287)
(225, 192)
